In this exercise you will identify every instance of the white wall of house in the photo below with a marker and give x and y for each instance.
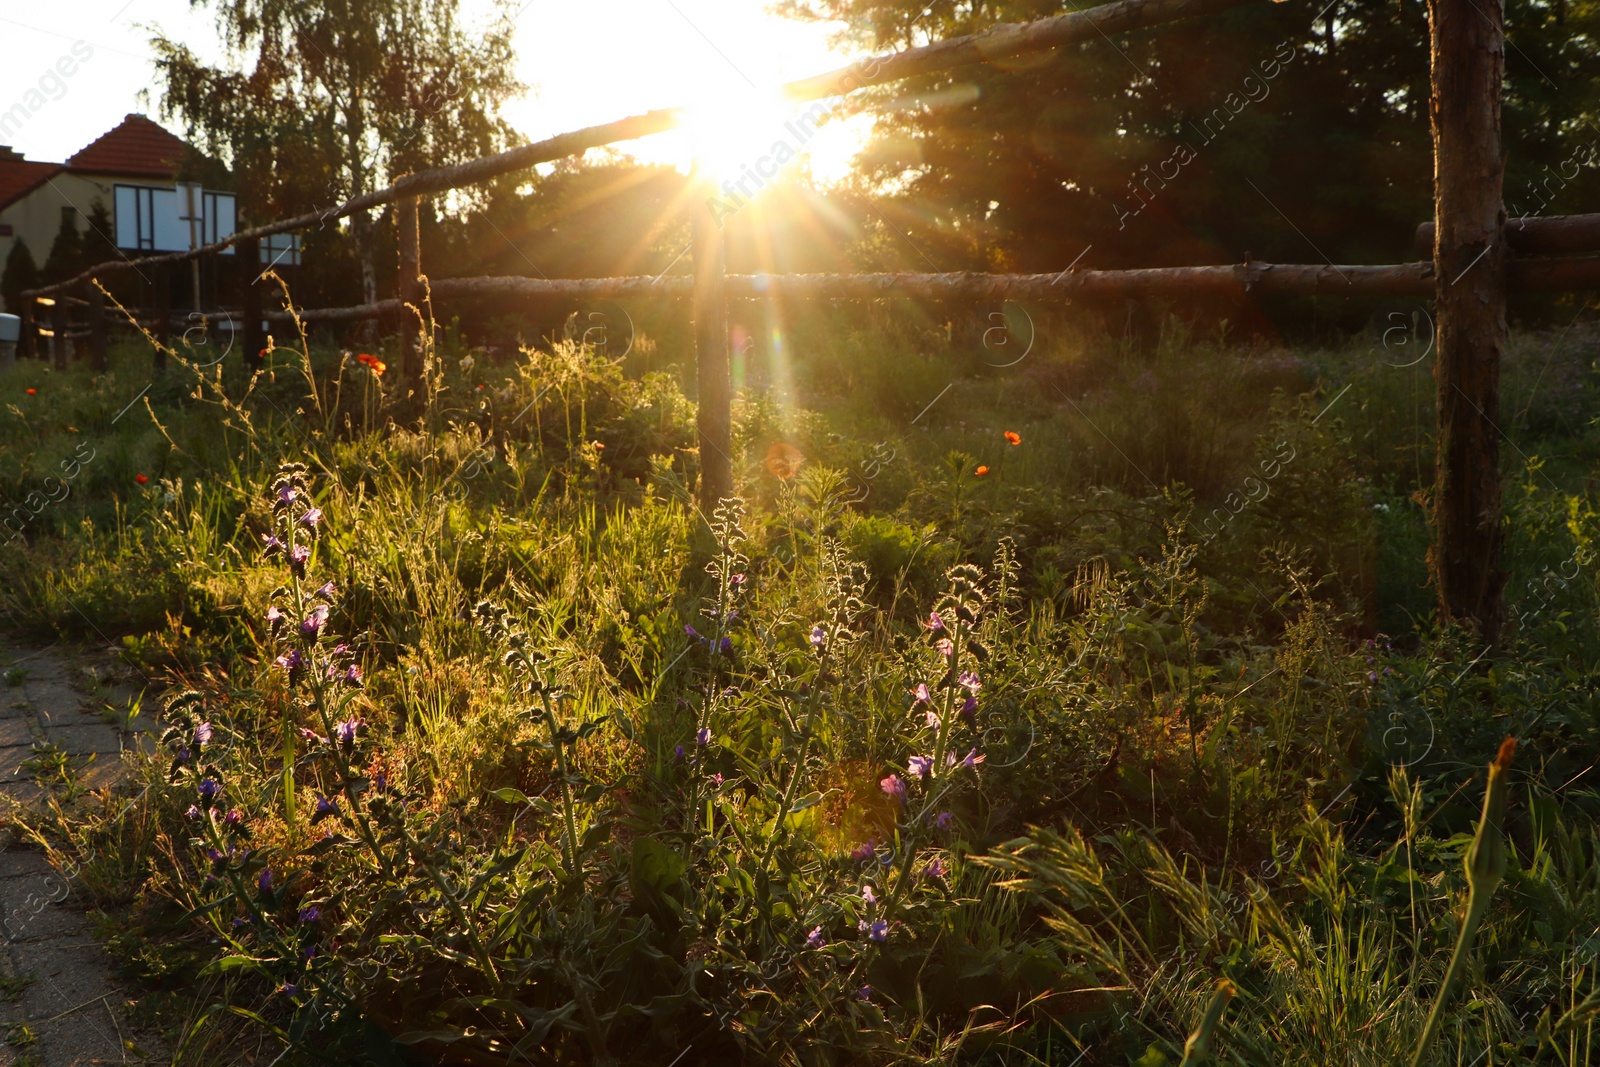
(37, 217)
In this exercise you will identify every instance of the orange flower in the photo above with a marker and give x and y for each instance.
(376, 365)
(33, 392)
(600, 446)
(784, 460)
(981, 471)
(141, 479)
(1013, 437)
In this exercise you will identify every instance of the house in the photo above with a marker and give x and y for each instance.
(132, 171)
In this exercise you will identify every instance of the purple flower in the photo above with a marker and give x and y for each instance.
(311, 518)
(970, 681)
(274, 617)
(944, 820)
(895, 786)
(312, 736)
(936, 868)
(920, 766)
(726, 645)
(679, 751)
(235, 817)
(945, 646)
(346, 731)
(213, 855)
(325, 590)
(311, 914)
(290, 661)
(972, 759)
(352, 675)
(969, 708)
(288, 989)
(931, 718)
(865, 851)
(271, 544)
(297, 558)
(264, 883)
(239, 921)
(202, 734)
(183, 754)
(702, 736)
(692, 632)
(286, 495)
(819, 636)
(864, 993)
(878, 930)
(935, 622)
(325, 808)
(716, 780)
(192, 813)
(736, 580)
(209, 787)
(868, 895)
(1372, 676)
(922, 695)
(312, 624)
(815, 939)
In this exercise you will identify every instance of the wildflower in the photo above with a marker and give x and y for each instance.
(271, 543)
(183, 754)
(922, 694)
(235, 817)
(716, 780)
(311, 518)
(936, 868)
(865, 851)
(981, 471)
(213, 855)
(679, 751)
(819, 636)
(325, 591)
(33, 392)
(970, 681)
(935, 622)
(466, 364)
(1372, 676)
(311, 914)
(287, 494)
(736, 580)
(209, 788)
(815, 939)
(352, 675)
(238, 921)
(895, 786)
(972, 759)
(920, 766)
(288, 989)
(945, 646)
(726, 644)
(692, 632)
(202, 734)
(297, 559)
(868, 895)
(702, 736)
(140, 478)
(346, 731)
(944, 820)
(274, 617)
(931, 719)
(264, 883)
(969, 708)
(1013, 438)
(599, 446)
(325, 808)
(311, 735)
(374, 364)
(289, 661)
(192, 813)
(864, 993)
(878, 930)
(312, 624)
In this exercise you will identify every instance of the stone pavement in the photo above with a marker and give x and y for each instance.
(59, 1003)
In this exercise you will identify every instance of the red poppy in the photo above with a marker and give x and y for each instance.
(600, 445)
(1013, 438)
(981, 471)
(376, 365)
(33, 392)
(141, 479)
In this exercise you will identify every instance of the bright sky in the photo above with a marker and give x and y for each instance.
(585, 62)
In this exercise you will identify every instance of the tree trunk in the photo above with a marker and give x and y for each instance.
(1468, 63)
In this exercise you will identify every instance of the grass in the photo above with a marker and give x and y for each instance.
(568, 772)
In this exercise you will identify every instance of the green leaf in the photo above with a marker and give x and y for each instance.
(509, 795)
(810, 800)
(229, 963)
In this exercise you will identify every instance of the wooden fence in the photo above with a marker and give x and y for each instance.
(1471, 240)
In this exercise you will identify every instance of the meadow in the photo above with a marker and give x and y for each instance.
(1094, 713)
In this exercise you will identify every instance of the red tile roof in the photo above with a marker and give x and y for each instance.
(20, 177)
(136, 148)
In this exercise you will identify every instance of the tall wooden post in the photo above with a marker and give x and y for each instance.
(1469, 260)
(99, 340)
(410, 290)
(164, 315)
(58, 331)
(713, 373)
(254, 338)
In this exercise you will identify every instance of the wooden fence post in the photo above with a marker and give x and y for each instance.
(164, 313)
(1469, 262)
(98, 339)
(410, 291)
(58, 331)
(713, 373)
(255, 339)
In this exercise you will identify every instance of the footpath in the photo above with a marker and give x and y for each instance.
(60, 1004)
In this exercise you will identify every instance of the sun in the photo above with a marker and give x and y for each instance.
(741, 142)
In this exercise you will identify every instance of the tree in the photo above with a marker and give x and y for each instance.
(21, 273)
(66, 254)
(323, 100)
